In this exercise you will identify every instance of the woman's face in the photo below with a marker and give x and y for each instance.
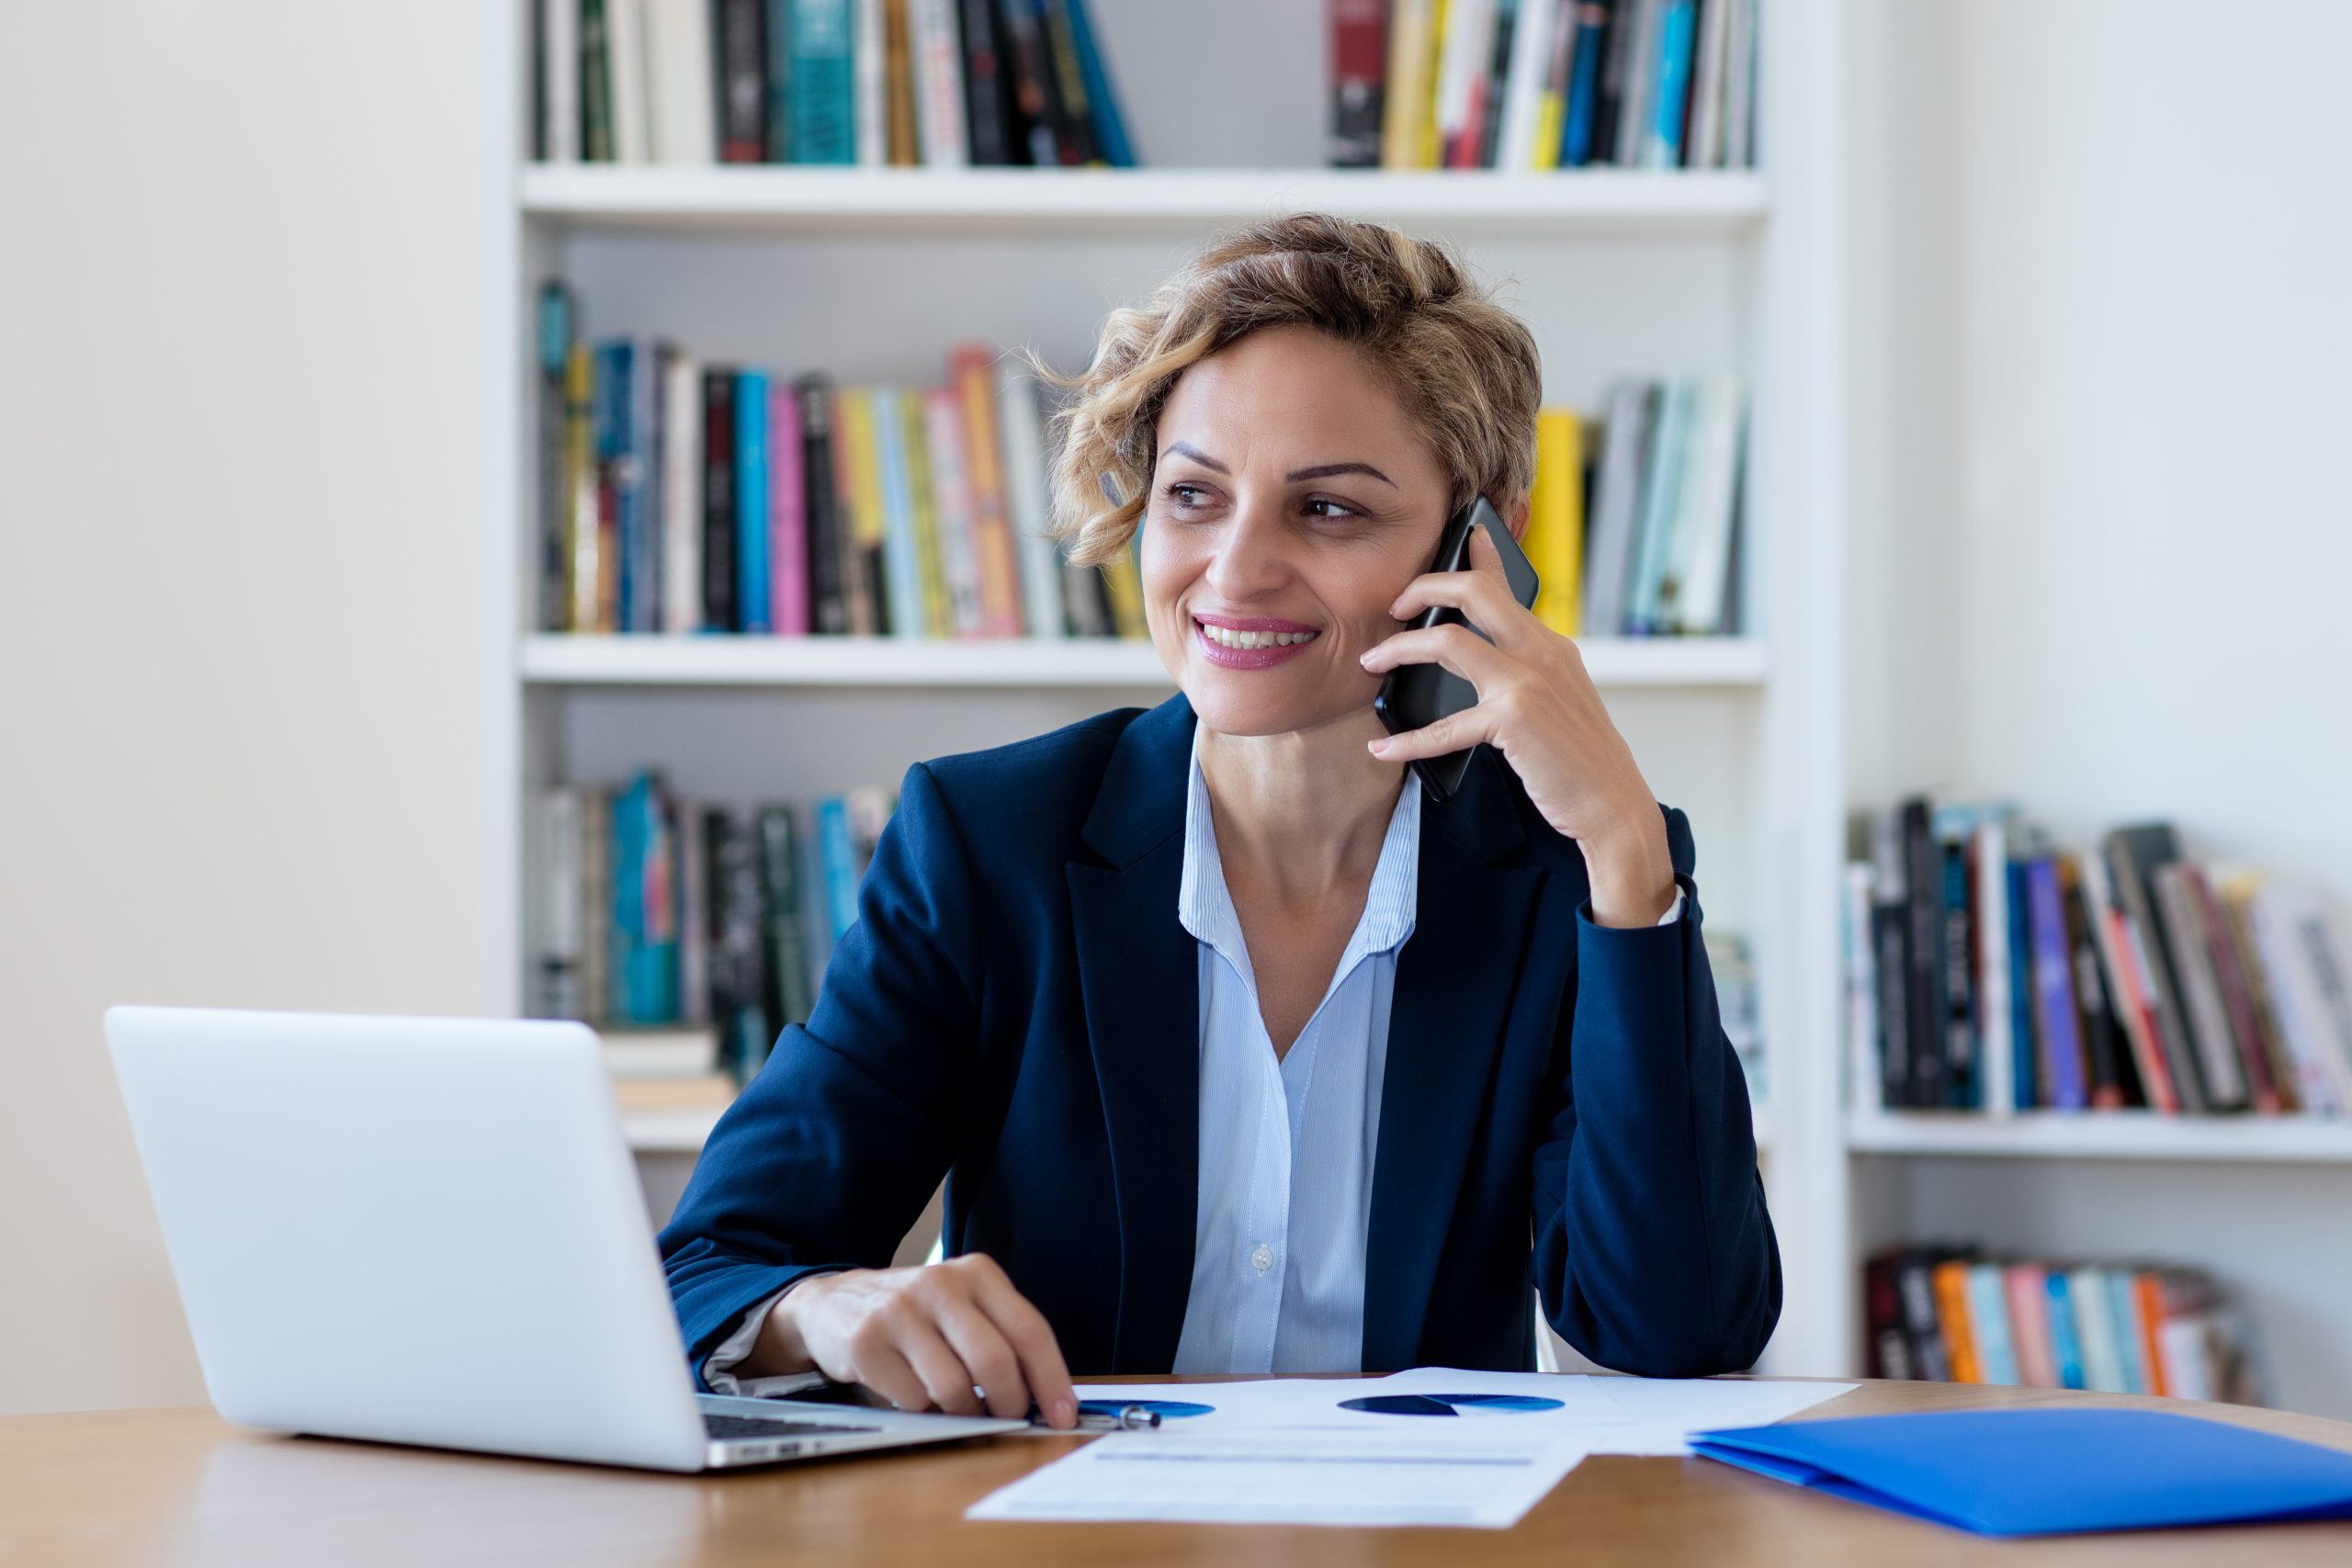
(1291, 502)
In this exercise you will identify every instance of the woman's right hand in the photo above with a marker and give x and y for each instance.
(923, 1338)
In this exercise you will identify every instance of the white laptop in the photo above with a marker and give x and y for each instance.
(420, 1230)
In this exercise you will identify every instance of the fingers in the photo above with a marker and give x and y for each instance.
(1483, 594)
(1457, 648)
(1442, 737)
(1031, 1340)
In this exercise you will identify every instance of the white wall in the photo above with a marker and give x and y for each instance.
(241, 547)
(2101, 342)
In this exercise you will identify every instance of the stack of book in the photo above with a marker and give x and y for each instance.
(1988, 971)
(678, 495)
(1664, 550)
(657, 911)
(1542, 85)
(1951, 1314)
(941, 83)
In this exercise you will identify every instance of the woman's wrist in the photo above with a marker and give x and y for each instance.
(1630, 870)
(781, 1349)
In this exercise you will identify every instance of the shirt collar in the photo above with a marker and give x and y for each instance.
(1204, 904)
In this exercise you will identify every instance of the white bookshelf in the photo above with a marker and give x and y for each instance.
(1077, 663)
(870, 275)
(2116, 1135)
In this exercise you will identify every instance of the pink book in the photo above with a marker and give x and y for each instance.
(2030, 1325)
(788, 515)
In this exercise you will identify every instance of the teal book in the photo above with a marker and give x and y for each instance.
(2123, 1319)
(1677, 29)
(752, 577)
(2065, 1337)
(837, 851)
(1660, 504)
(823, 126)
(644, 963)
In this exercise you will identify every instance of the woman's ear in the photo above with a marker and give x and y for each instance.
(1515, 518)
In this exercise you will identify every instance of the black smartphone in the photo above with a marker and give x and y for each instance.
(1418, 695)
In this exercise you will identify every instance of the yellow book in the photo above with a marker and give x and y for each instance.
(1124, 582)
(583, 570)
(1428, 154)
(937, 615)
(1406, 100)
(859, 478)
(1556, 518)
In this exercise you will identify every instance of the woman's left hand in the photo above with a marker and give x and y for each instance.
(1538, 707)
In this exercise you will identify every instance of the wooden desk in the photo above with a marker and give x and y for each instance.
(182, 1486)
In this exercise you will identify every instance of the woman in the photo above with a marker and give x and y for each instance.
(1235, 1053)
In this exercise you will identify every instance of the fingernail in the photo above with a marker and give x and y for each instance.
(1064, 1412)
(1379, 747)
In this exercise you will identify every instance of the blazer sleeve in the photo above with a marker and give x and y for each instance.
(834, 1146)
(1654, 1251)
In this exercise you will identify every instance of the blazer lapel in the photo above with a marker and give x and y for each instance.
(1139, 975)
(1456, 981)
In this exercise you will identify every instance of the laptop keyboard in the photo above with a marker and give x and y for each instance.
(763, 1426)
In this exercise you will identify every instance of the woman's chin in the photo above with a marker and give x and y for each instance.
(1227, 711)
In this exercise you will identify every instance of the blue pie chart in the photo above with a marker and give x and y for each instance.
(1450, 1404)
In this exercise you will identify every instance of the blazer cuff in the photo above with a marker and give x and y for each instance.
(717, 1371)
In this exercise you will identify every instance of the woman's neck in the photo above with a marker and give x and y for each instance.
(1302, 812)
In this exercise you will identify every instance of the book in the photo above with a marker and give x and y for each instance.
(881, 424)
(1465, 43)
(556, 335)
(934, 452)
(595, 84)
(2312, 1090)
(1660, 512)
(1113, 142)
(556, 81)
(1889, 1345)
(720, 555)
(943, 132)
(1521, 114)
(1405, 95)
(1950, 1277)
(837, 856)
(788, 998)
(1616, 498)
(1890, 955)
(2029, 1289)
(1020, 441)
(1554, 542)
(776, 32)
(1500, 47)
(2205, 1018)
(1637, 81)
(1739, 87)
(987, 92)
(680, 84)
(828, 607)
(681, 502)
(823, 128)
(1988, 1317)
(583, 564)
(1914, 1276)
(787, 514)
(1996, 1016)
(2309, 967)
(741, 80)
(753, 584)
(632, 129)
(1705, 148)
(874, 604)
(1930, 1081)
(2054, 987)
(1359, 59)
(2231, 991)
(595, 904)
(870, 92)
(1066, 78)
(1000, 565)
(1661, 141)
(2132, 855)
(1580, 118)
(558, 975)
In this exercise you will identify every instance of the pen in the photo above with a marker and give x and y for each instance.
(1125, 1418)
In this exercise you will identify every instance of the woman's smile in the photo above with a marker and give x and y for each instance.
(1249, 642)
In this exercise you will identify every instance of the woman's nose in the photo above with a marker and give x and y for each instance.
(1249, 558)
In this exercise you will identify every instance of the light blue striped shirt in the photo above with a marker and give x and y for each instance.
(1286, 1146)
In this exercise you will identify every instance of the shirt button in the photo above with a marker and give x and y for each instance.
(1263, 1259)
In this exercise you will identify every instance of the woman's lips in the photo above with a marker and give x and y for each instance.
(1249, 642)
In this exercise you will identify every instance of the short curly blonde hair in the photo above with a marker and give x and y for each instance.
(1464, 367)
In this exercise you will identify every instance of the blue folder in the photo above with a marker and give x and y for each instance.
(2018, 1472)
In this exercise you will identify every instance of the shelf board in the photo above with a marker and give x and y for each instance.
(1075, 664)
(1121, 201)
(2104, 1134)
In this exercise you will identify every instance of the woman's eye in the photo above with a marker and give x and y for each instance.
(1184, 496)
(1325, 506)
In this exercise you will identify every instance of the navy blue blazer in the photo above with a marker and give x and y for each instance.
(1017, 1008)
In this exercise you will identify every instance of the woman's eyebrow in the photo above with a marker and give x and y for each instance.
(1327, 469)
(1186, 449)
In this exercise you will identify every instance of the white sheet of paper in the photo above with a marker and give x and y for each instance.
(1660, 1411)
(1297, 1477)
(1583, 1406)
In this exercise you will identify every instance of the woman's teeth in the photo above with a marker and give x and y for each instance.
(1226, 637)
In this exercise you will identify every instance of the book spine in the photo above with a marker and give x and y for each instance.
(2129, 989)
(776, 34)
(595, 84)
(1923, 949)
(1112, 143)
(1890, 956)
(2133, 857)
(787, 967)
(1950, 1281)
(1637, 87)
(2113, 1084)
(1662, 146)
(2236, 894)
(1025, 71)
(625, 53)
(1067, 81)
(751, 524)
(899, 82)
(2029, 1292)
(1705, 147)
(694, 919)
(2148, 1314)
(1550, 131)
(559, 80)
(1890, 1348)
(1020, 446)
(683, 113)
(719, 560)
(1915, 1282)
(682, 508)
(558, 976)
(937, 420)
(2053, 989)
(951, 596)
(988, 100)
(2094, 1329)
(838, 854)
(1739, 88)
(584, 563)
(647, 480)
(1616, 505)
(617, 456)
(1862, 1044)
(870, 92)
(1997, 1044)
(823, 128)
(1580, 118)
(991, 515)
(939, 76)
(788, 515)
(881, 426)
(626, 1003)
(1554, 541)
(829, 614)
(742, 82)
(1359, 67)
(555, 333)
(1464, 42)
(1964, 1090)
(874, 608)
(1988, 1315)
(2066, 1343)
(2200, 989)
(595, 904)
(1491, 105)
(1523, 114)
